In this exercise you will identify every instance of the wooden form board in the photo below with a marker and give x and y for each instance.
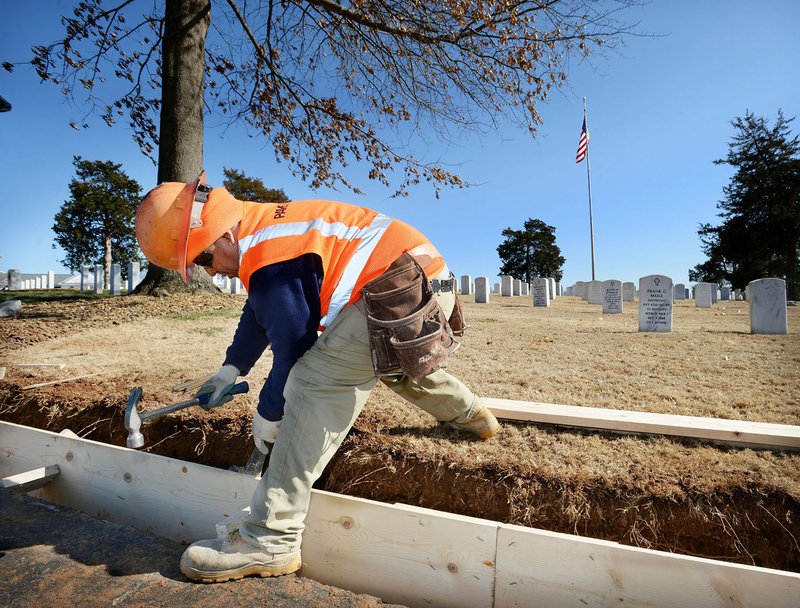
(735, 432)
(402, 554)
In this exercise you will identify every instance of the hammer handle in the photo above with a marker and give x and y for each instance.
(236, 389)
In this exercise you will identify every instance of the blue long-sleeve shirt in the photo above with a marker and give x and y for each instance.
(282, 309)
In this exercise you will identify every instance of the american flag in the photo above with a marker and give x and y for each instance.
(583, 143)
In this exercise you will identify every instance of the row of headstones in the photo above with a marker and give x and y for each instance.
(543, 290)
(233, 285)
(705, 294)
(767, 299)
(94, 278)
(44, 281)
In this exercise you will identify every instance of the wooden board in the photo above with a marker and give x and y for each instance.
(418, 557)
(30, 480)
(735, 432)
(541, 568)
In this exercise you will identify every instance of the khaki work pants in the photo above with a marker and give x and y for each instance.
(325, 392)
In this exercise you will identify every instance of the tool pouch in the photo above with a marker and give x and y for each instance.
(408, 332)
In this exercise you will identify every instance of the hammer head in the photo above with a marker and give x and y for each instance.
(132, 420)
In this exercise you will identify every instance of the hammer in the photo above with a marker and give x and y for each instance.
(134, 420)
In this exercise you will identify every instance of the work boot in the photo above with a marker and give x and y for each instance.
(482, 423)
(218, 560)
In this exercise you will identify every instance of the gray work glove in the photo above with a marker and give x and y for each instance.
(218, 385)
(265, 432)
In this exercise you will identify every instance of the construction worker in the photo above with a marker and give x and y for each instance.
(344, 296)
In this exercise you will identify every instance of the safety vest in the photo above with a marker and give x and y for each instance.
(355, 245)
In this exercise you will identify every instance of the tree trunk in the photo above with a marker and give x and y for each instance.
(180, 148)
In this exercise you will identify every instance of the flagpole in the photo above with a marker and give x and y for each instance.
(589, 179)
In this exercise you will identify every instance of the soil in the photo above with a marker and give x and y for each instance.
(685, 496)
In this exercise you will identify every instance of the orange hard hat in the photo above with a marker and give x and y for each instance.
(177, 221)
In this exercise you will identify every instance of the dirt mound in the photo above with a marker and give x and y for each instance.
(676, 495)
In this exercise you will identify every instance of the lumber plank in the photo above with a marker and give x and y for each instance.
(29, 480)
(402, 554)
(733, 432)
(542, 568)
(40, 384)
(38, 365)
(415, 556)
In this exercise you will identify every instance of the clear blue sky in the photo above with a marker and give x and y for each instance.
(659, 115)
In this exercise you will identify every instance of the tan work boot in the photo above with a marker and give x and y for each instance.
(231, 558)
(482, 423)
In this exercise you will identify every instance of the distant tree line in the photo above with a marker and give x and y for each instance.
(760, 231)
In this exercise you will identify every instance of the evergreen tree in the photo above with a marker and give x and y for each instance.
(252, 189)
(531, 252)
(96, 224)
(760, 232)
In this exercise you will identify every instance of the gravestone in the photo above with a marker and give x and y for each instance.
(595, 292)
(552, 284)
(767, 306)
(655, 303)
(737, 294)
(466, 284)
(51, 279)
(85, 278)
(115, 284)
(714, 294)
(680, 291)
(725, 293)
(506, 287)
(517, 287)
(559, 288)
(541, 292)
(523, 291)
(496, 288)
(702, 294)
(14, 280)
(628, 292)
(612, 297)
(686, 294)
(481, 290)
(38, 282)
(99, 278)
(133, 275)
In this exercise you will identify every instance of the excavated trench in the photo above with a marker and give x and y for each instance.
(749, 524)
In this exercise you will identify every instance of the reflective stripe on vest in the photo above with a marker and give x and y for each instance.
(369, 237)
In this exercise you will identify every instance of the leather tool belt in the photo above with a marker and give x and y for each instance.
(408, 332)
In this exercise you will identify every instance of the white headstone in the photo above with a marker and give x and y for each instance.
(714, 294)
(133, 275)
(680, 291)
(655, 303)
(481, 290)
(51, 279)
(115, 285)
(595, 292)
(768, 306)
(628, 292)
(14, 280)
(552, 284)
(496, 288)
(523, 289)
(702, 294)
(85, 279)
(466, 284)
(99, 278)
(612, 297)
(737, 294)
(725, 293)
(541, 292)
(559, 288)
(517, 287)
(507, 285)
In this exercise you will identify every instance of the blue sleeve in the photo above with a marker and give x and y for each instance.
(282, 309)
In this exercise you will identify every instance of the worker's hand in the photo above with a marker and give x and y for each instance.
(218, 384)
(265, 433)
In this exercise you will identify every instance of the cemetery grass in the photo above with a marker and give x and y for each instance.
(670, 494)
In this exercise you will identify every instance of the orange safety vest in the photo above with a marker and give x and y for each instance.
(355, 245)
